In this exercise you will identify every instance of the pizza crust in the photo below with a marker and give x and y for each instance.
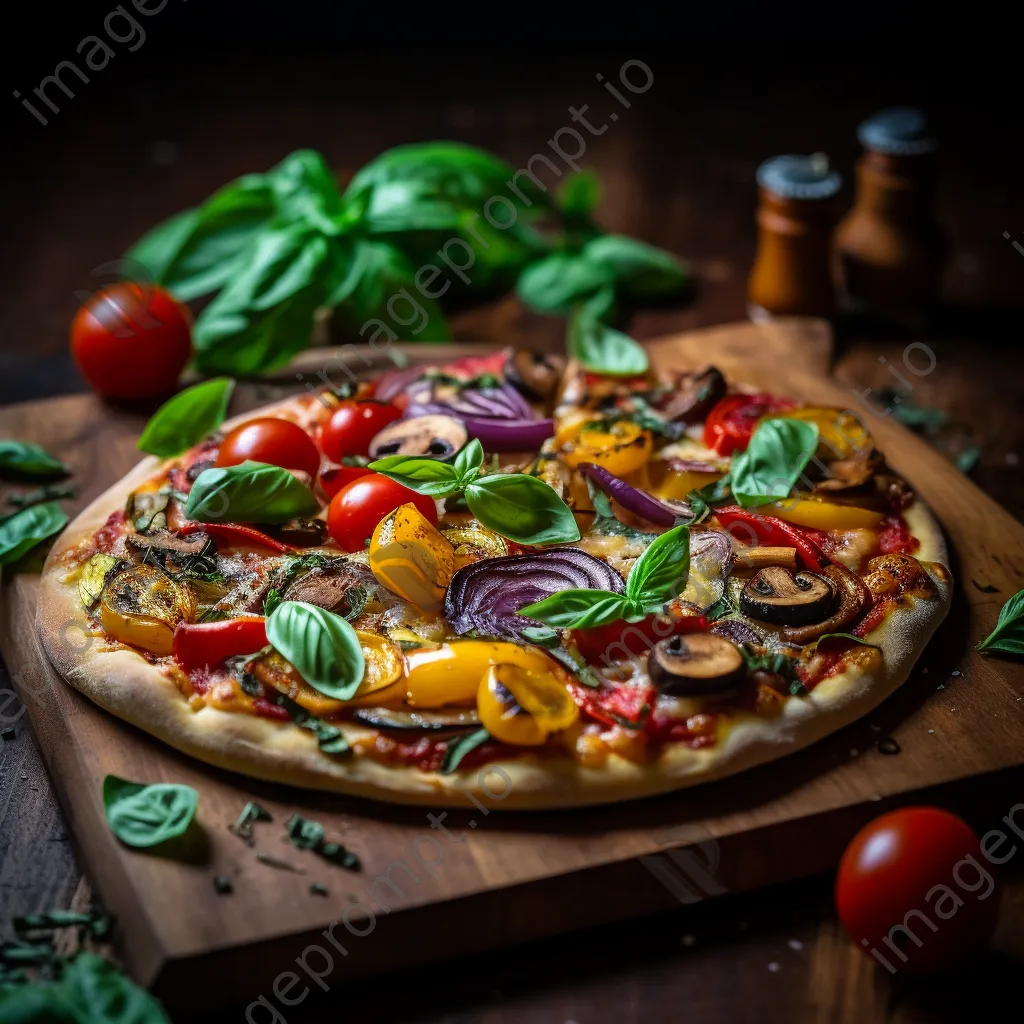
(124, 683)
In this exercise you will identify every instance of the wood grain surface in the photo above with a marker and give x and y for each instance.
(510, 877)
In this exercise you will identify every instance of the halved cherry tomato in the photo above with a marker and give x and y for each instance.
(353, 425)
(732, 421)
(333, 478)
(918, 870)
(205, 644)
(769, 531)
(273, 440)
(359, 506)
(617, 640)
(235, 533)
(132, 340)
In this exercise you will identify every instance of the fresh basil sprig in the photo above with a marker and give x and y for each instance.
(516, 505)
(23, 458)
(602, 349)
(657, 576)
(778, 452)
(322, 646)
(22, 531)
(1008, 636)
(187, 418)
(252, 492)
(146, 815)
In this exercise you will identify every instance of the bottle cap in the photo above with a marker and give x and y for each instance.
(799, 177)
(900, 131)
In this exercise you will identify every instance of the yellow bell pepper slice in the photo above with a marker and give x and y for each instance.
(840, 433)
(825, 515)
(677, 484)
(619, 446)
(518, 706)
(141, 606)
(451, 674)
(411, 558)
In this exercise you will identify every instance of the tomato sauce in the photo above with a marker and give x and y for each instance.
(894, 537)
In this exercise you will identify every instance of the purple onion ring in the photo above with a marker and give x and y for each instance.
(509, 435)
(640, 503)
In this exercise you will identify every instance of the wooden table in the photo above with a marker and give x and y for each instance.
(677, 172)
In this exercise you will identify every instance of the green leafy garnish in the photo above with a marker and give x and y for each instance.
(253, 492)
(847, 636)
(601, 349)
(776, 456)
(143, 815)
(24, 458)
(23, 530)
(251, 813)
(187, 418)
(50, 492)
(1008, 636)
(306, 834)
(321, 645)
(457, 749)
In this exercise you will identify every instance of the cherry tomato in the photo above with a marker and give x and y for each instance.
(733, 420)
(477, 366)
(907, 870)
(269, 439)
(353, 425)
(132, 340)
(359, 506)
(333, 478)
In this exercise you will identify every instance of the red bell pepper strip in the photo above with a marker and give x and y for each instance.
(771, 532)
(234, 533)
(624, 704)
(205, 644)
(732, 420)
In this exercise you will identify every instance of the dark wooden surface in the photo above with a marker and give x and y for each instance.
(677, 172)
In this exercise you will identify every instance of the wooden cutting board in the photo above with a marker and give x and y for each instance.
(495, 878)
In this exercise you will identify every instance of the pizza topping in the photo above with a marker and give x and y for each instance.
(429, 721)
(411, 558)
(695, 664)
(94, 575)
(522, 707)
(731, 423)
(619, 446)
(272, 440)
(754, 529)
(236, 535)
(640, 503)
(302, 532)
(199, 645)
(854, 599)
(180, 556)
(778, 596)
(693, 394)
(253, 492)
(436, 435)
(817, 514)
(483, 397)
(141, 607)
(535, 374)
(338, 584)
(758, 558)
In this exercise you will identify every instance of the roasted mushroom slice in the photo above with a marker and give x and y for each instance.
(436, 435)
(775, 595)
(535, 375)
(695, 664)
(693, 395)
(301, 533)
(854, 599)
(194, 555)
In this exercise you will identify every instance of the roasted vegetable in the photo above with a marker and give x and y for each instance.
(523, 707)
(141, 607)
(411, 558)
(775, 595)
(695, 664)
(436, 435)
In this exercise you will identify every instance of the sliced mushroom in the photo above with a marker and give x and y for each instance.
(693, 395)
(436, 435)
(388, 718)
(775, 595)
(195, 554)
(851, 473)
(301, 533)
(535, 375)
(341, 585)
(694, 664)
(854, 599)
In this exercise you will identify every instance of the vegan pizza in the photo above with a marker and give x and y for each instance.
(597, 585)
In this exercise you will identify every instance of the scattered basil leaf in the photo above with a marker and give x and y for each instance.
(457, 749)
(23, 530)
(321, 645)
(304, 833)
(522, 508)
(51, 492)
(252, 492)
(660, 573)
(601, 349)
(142, 815)
(421, 474)
(579, 194)
(909, 413)
(968, 458)
(1008, 636)
(25, 458)
(50, 919)
(560, 281)
(187, 418)
(251, 813)
(773, 462)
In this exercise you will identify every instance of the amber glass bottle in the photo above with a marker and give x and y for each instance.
(892, 251)
(791, 275)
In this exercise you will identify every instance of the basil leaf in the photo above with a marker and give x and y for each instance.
(640, 270)
(322, 646)
(187, 418)
(304, 833)
(776, 456)
(420, 474)
(265, 314)
(775, 662)
(468, 462)
(24, 458)
(253, 492)
(848, 636)
(305, 189)
(579, 194)
(559, 281)
(713, 493)
(23, 530)
(457, 749)
(1008, 636)
(601, 349)
(603, 305)
(198, 251)
(602, 506)
(522, 508)
(143, 815)
(660, 573)
(577, 609)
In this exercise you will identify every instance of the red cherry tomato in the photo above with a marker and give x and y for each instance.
(132, 340)
(353, 425)
(359, 506)
(732, 421)
(269, 439)
(333, 478)
(477, 366)
(920, 868)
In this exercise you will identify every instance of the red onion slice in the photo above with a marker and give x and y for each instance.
(392, 383)
(509, 435)
(640, 503)
(485, 597)
(736, 631)
(503, 402)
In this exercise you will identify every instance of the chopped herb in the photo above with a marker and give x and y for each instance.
(775, 662)
(611, 527)
(1008, 635)
(848, 636)
(720, 609)
(251, 813)
(457, 749)
(409, 645)
(797, 689)
(306, 834)
(222, 885)
(22, 953)
(288, 574)
(281, 865)
(318, 888)
(338, 854)
(720, 490)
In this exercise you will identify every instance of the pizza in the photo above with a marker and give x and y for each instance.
(508, 575)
